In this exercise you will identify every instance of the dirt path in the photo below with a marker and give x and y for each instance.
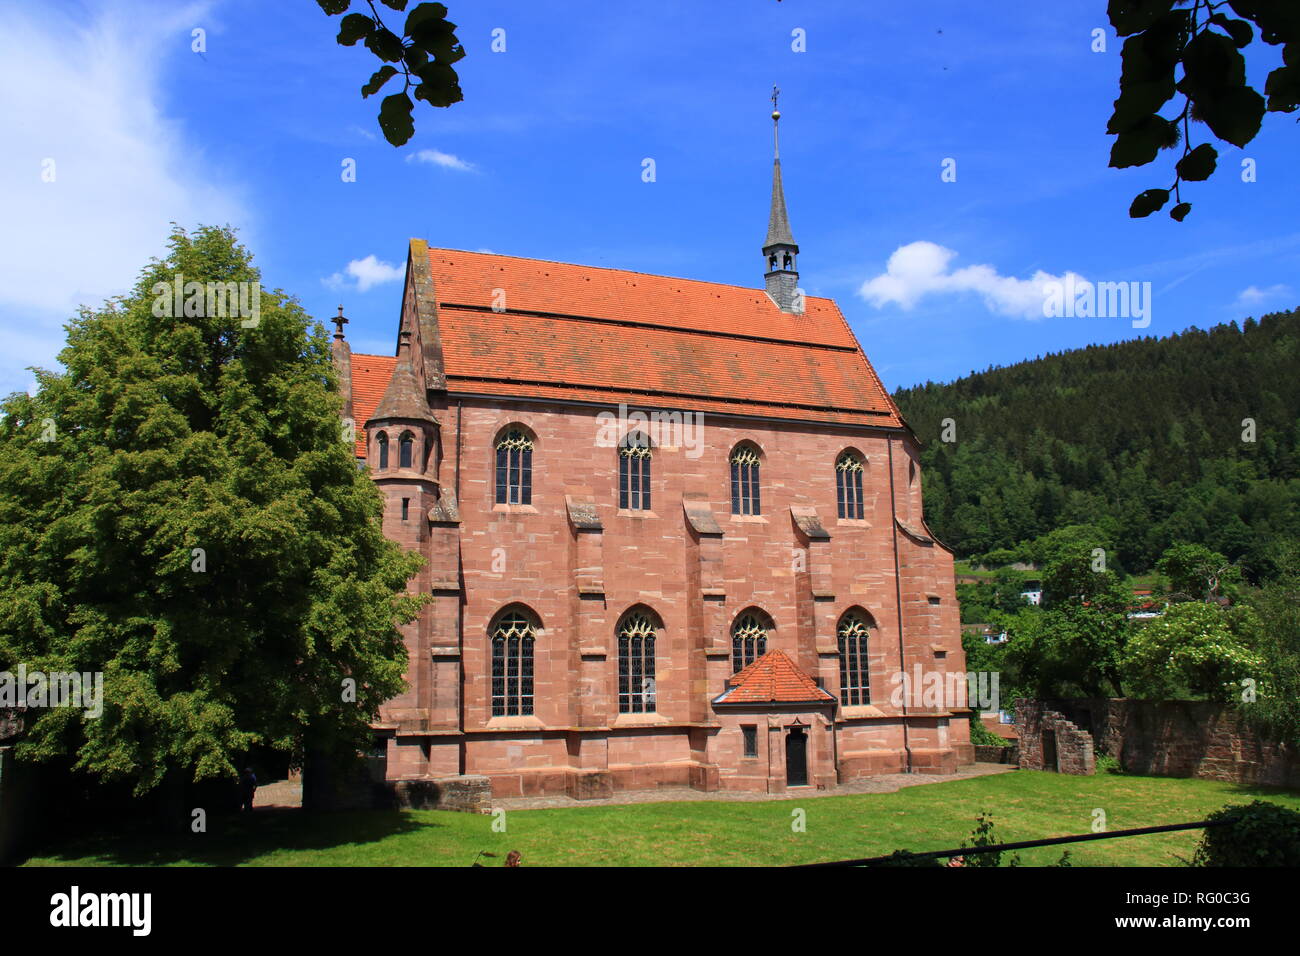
(885, 783)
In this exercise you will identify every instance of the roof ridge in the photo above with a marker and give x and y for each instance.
(633, 272)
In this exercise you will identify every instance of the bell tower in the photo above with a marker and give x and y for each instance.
(403, 450)
(780, 251)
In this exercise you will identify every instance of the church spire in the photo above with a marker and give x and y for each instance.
(404, 398)
(780, 251)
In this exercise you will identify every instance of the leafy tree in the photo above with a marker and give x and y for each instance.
(1000, 556)
(1075, 642)
(1071, 650)
(1074, 563)
(1195, 572)
(422, 54)
(1275, 707)
(973, 599)
(1008, 586)
(180, 511)
(1212, 89)
(1198, 648)
(983, 656)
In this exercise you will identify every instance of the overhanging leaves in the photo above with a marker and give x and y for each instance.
(1239, 30)
(1138, 146)
(1132, 16)
(1234, 117)
(1148, 202)
(382, 76)
(354, 27)
(1206, 43)
(395, 119)
(1199, 163)
(423, 54)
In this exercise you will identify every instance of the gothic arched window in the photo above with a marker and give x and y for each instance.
(744, 481)
(513, 637)
(383, 449)
(748, 639)
(848, 485)
(634, 473)
(636, 664)
(406, 450)
(854, 633)
(514, 468)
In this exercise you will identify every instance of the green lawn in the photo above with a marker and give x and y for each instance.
(1025, 805)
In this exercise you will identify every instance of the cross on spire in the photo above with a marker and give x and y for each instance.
(339, 321)
(776, 115)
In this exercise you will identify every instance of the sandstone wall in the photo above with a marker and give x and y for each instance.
(1184, 739)
(1050, 741)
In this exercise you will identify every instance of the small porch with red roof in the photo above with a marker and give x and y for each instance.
(777, 729)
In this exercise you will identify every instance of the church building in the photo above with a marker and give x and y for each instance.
(672, 530)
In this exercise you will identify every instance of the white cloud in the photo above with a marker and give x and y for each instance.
(85, 93)
(921, 269)
(1253, 296)
(437, 157)
(366, 273)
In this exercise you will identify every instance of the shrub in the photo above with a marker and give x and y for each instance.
(981, 735)
(1262, 834)
(1105, 763)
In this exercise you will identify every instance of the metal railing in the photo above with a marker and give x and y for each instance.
(1020, 845)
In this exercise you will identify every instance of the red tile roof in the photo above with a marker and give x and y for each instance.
(370, 375)
(773, 678)
(601, 335)
(1005, 731)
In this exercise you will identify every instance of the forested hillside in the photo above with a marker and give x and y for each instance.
(1143, 438)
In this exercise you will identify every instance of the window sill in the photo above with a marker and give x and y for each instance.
(862, 710)
(648, 719)
(515, 510)
(852, 523)
(749, 519)
(631, 513)
(521, 722)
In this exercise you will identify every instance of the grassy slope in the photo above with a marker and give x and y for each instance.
(1025, 805)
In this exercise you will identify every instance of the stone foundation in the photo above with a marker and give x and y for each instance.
(988, 753)
(468, 794)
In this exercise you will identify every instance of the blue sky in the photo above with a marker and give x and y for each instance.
(544, 159)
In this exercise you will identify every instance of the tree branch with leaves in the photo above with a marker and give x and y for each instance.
(422, 55)
(1206, 43)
